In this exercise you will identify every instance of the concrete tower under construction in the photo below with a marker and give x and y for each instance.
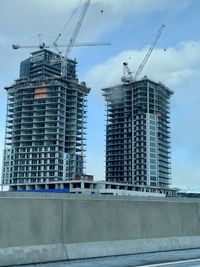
(46, 122)
(138, 133)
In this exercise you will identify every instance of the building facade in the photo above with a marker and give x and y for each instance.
(46, 122)
(138, 133)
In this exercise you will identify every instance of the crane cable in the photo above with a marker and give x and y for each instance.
(66, 24)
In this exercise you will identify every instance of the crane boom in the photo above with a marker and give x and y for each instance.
(74, 36)
(43, 46)
(149, 52)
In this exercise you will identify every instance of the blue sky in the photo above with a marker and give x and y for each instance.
(127, 24)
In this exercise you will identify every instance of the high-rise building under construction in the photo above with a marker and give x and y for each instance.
(46, 122)
(138, 133)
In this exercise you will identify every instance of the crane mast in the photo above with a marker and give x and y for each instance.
(129, 77)
(73, 37)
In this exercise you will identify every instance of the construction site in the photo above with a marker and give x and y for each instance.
(46, 125)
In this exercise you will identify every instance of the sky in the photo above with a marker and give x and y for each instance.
(127, 25)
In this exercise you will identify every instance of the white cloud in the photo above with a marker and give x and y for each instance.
(172, 66)
(49, 16)
(178, 68)
(104, 15)
(21, 19)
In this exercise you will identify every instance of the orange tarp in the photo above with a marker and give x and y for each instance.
(40, 92)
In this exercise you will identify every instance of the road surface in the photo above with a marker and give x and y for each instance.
(186, 258)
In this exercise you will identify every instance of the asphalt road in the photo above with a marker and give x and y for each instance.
(186, 258)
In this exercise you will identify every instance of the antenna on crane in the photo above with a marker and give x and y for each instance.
(129, 78)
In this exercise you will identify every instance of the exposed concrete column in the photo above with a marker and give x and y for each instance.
(61, 185)
(46, 186)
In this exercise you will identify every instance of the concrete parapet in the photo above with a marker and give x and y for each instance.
(41, 228)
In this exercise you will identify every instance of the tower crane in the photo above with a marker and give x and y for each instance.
(130, 77)
(72, 42)
(73, 37)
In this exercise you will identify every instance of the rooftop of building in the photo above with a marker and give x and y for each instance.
(144, 79)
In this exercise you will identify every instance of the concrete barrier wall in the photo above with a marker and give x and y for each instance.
(41, 228)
